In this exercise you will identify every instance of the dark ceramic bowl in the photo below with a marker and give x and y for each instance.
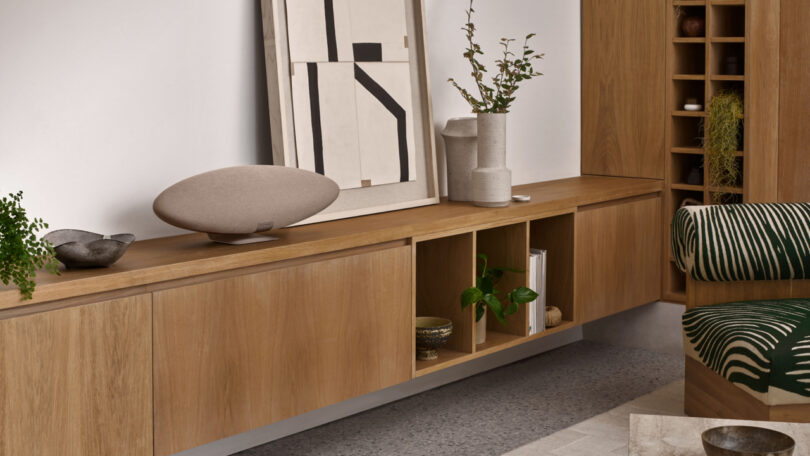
(746, 441)
(431, 333)
(83, 249)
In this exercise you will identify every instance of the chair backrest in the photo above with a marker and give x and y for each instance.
(763, 241)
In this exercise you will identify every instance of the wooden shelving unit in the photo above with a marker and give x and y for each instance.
(696, 66)
(446, 265)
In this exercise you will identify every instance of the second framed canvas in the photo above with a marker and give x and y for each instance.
(349, 99)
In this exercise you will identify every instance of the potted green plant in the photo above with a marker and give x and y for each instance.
(492, 180)
(722, 140)
(22, 253)
(484, 295)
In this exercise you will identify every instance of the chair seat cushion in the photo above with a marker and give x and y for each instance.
(763, 347)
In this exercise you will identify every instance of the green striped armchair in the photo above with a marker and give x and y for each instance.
(758, 257)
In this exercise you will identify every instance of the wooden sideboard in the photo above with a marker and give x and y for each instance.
(184, 342)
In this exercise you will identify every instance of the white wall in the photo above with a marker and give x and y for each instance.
(103, 104)
(543, 141)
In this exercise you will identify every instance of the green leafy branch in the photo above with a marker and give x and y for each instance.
(484, 294)
(512, 70)
(22, 253)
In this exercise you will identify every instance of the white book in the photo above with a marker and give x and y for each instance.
(534, 264)
(540, 281)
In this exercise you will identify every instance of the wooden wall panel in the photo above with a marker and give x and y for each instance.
(240, 353)
(794, 111)
(78, 381)
(618, 257)
(762, 101)
(623, 87)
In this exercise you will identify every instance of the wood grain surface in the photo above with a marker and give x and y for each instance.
(240, 353)
(160, 260)
(794, 108)
(623, 87)
(618, 257)
(78, 381)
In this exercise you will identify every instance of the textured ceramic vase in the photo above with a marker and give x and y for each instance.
(481, 330)
(491, 180)
(461, 149)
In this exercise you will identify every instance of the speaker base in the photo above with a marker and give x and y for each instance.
(240, 239)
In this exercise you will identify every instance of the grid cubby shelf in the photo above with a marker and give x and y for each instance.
(698, 69)
(446, 266)
(734, 54)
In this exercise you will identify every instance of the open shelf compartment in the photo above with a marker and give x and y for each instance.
(555, 235)
(445, 267)
(727, 20)
(506, 246)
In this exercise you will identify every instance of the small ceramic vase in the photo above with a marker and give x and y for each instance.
(461, 149)
(491, 180)
(694, 26)
(481, 330)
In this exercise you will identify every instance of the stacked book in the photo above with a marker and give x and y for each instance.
(537, 282)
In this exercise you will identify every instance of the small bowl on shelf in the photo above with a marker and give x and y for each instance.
(431, 334)
(746, 441)
(83, 249)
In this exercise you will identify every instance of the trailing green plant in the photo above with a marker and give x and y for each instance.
(22, 253)
(484, 294)
(512, 70)
(722, 139)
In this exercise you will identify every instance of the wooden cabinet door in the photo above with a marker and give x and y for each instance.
(624, 87)
(78, 381)
(239, 353)
(618, 257)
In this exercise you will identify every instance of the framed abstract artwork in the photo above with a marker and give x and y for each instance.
(349, 99)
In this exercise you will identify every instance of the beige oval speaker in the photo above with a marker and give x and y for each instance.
(231, 204)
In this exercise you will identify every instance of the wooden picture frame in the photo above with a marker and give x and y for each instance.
(423, 189)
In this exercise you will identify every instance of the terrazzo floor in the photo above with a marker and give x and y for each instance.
(495, 412)
(607, 433)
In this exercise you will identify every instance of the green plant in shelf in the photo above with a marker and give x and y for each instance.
(484, 294)
(22, 253)
(722, 139)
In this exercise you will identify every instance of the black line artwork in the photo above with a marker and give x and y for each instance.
(315, 114)
(331, 36)
(367, 52)
(392, 106)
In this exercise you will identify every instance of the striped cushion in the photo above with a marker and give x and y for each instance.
(743, 241)
(763, 347)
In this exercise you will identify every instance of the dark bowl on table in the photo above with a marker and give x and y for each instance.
(746, 441)
(83, 249)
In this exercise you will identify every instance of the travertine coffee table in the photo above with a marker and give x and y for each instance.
(657, 435)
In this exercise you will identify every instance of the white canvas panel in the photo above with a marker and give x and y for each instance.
(307, 31)
(301, 117)
(378, 132)
(341, 157)
(381, 21)
(339, 124)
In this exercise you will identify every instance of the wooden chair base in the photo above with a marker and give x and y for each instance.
(712, 396)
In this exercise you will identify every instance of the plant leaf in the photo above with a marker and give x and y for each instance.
(522, 295)
(495, 305)
(471, 296)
